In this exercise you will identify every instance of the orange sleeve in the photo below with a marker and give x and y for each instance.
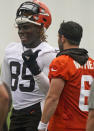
(61, 67)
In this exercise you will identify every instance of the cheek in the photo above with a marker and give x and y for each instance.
(18, 32)
(29, 35)
(60, 44)
(33, 35)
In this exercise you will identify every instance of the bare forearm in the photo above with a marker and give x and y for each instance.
(9, 95)
(4, 102)
(51, 102)
(90, 121)
(48, 112)
(90, 126)
(3, 112)
(52, 99)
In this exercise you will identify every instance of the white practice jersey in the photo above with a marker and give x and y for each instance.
(25, 90)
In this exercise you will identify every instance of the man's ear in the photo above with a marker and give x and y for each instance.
(63, 39)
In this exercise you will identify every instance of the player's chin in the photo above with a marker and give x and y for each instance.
(24, 42)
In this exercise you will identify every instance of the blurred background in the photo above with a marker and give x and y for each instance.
(80, 11)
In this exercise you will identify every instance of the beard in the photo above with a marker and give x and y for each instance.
(32, 44)
(60, 44)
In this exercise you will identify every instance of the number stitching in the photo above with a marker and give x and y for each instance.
(83, 92)
(15, 76)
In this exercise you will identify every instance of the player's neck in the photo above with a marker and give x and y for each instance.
(68, 46)
(33, 44)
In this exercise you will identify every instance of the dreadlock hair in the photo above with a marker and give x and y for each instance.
(43, 36)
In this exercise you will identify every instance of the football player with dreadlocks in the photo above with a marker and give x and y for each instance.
(26, 64)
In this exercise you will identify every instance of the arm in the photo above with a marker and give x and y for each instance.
(5, 72)
(43, 82)
(4, 105)
(6, 79)
(39, 71)
(30, 60)
(52, 99)
(90, 121)
(42, 78)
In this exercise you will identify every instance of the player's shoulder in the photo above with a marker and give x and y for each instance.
(63, 59)
(91, 59)
(62, 66)
(46, 48)
(12, 47)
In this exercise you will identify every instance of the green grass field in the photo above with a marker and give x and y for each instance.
(8, 119)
